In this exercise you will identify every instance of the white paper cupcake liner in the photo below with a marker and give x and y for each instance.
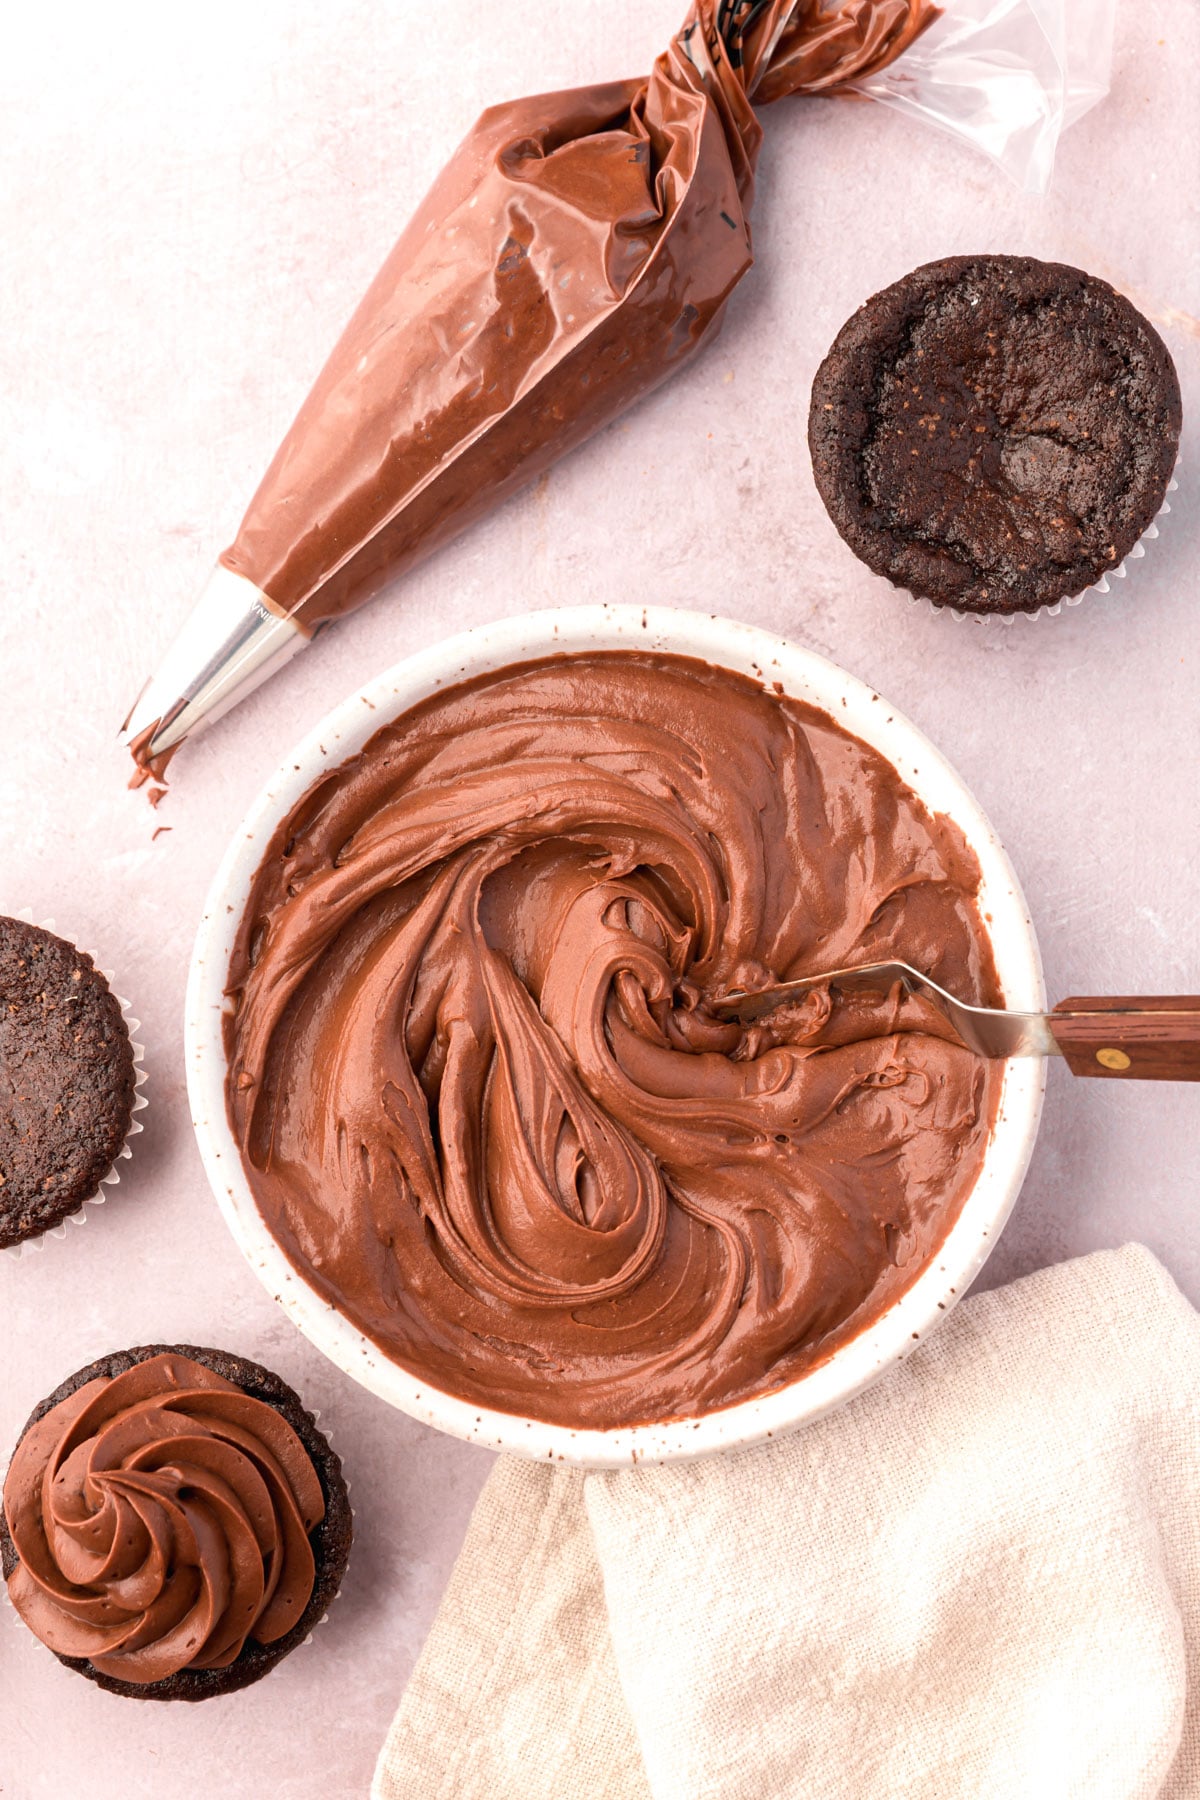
(1052, 612)
(111, 1179)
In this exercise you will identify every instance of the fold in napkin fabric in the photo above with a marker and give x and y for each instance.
(980, 1579)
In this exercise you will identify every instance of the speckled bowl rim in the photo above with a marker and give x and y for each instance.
(805, 676)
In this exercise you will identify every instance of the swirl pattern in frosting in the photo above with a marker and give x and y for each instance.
(481, 1100)
(160, 1519)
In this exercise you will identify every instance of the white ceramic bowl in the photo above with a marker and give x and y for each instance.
(804, 676)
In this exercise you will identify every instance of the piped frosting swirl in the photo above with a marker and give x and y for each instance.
(161, 1519)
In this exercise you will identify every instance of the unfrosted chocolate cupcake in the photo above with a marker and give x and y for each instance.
(995, 433)
(174, 1524)
(67, 1082)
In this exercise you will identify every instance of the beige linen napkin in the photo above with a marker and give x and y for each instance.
(980, 1579)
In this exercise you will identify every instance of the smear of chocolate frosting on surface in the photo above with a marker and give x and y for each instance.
(161, 1519)
(482, 1102)
(578, 247)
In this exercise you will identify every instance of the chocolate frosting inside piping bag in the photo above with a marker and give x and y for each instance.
(577, 248)
(481, 1102)
(160, 1519)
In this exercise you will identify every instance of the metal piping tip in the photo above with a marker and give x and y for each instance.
(230, 644)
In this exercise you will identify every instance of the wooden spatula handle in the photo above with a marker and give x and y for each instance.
(1140, 1038)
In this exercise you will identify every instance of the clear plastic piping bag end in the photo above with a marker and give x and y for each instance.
(231, 642)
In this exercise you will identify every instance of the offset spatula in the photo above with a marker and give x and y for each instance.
(1150, 1038)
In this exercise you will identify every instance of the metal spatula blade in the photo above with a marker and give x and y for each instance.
(1152, 1038)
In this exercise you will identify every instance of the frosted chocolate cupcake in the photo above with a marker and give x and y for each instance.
(67, 1080)
(995, 433)
(174, 1524)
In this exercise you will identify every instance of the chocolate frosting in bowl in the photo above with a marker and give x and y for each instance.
(160, 1519)
(481, 1098)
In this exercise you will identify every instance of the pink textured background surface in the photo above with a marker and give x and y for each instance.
(191, 206)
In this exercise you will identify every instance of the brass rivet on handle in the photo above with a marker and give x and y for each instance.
(1112, 1059)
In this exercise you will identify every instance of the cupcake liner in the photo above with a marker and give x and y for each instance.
(1051, 612)
(140, 1102)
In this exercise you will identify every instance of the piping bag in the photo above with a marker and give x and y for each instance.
(575, 251)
